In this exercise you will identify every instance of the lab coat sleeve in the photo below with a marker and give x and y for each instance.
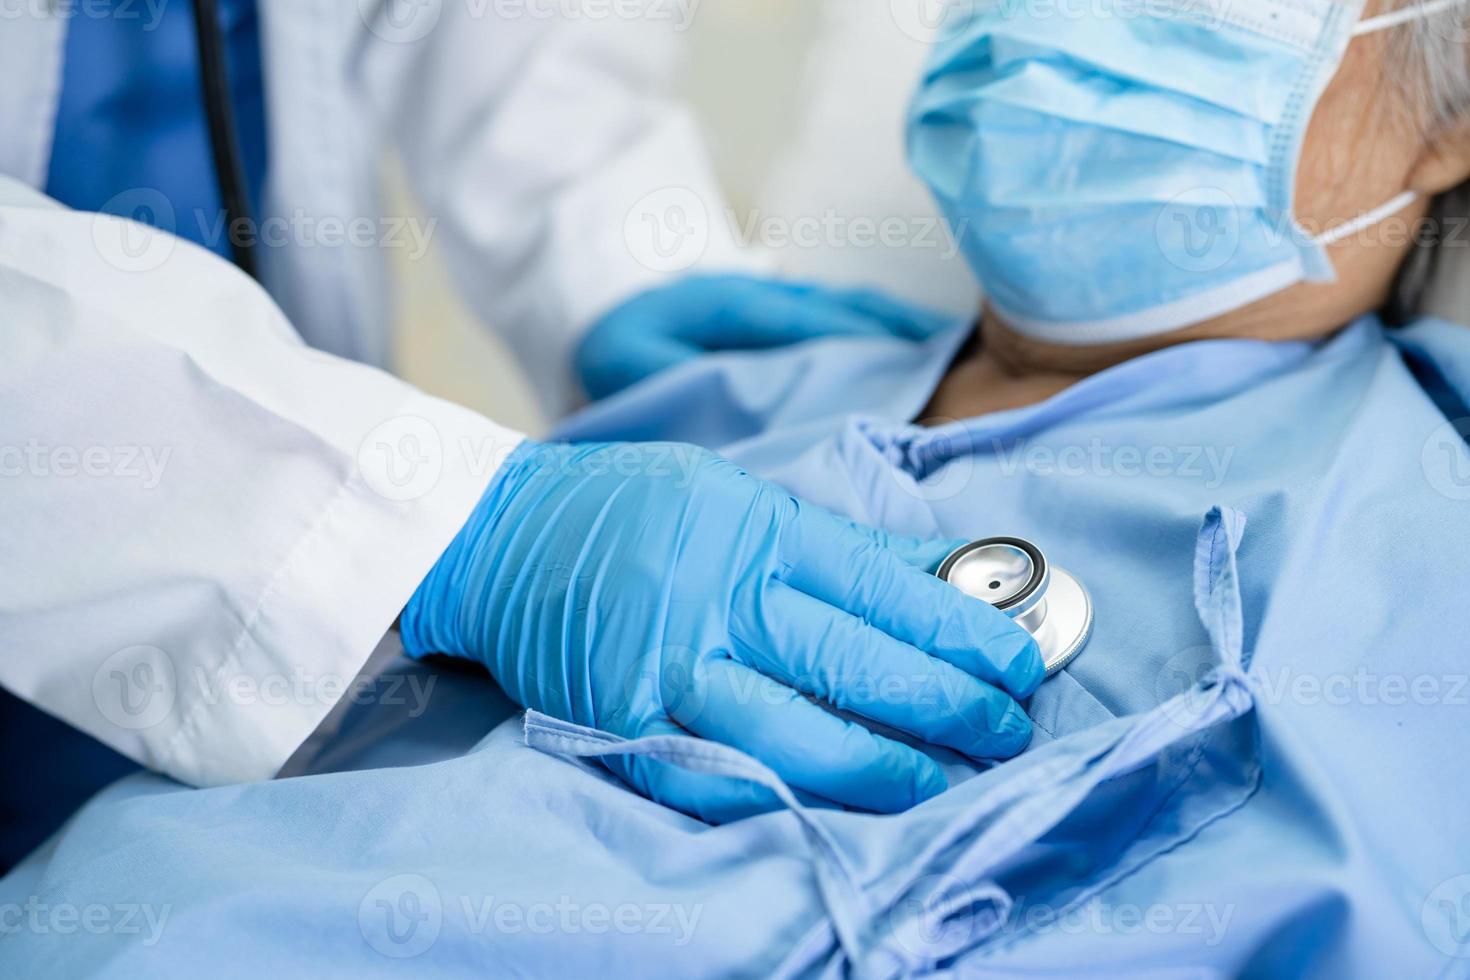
(564, 175)
(207, 526)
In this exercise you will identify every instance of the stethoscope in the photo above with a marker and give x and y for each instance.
(1013, 575)
(224, 140)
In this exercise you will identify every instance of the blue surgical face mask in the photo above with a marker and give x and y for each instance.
(1130, 170)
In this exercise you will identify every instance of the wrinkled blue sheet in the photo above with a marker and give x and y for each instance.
(1256, 767)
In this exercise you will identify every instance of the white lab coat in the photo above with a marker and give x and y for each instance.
(208, 524)
(538, 145)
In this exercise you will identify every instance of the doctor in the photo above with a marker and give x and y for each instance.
(210, 524)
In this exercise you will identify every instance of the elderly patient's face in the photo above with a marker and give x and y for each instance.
(1367, 143)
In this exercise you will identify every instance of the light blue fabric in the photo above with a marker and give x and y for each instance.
(1255, 768)
(1171, 132)
(650, 589)
(696, 315)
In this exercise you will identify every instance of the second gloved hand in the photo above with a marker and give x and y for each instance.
(700, 314)
(659, 589)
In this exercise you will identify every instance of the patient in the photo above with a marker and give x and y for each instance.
(1250, 770)
(1396, 117)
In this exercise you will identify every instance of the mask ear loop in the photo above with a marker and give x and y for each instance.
(1398, 17)
(1350, 228)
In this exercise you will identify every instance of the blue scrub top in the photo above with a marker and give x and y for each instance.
(131, 116)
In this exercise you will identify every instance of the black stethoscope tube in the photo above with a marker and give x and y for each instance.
(229, 165)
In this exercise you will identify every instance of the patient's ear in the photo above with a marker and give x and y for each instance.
(1445, 164)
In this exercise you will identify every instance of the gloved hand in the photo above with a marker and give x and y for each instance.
(658, 589)
(672, 324)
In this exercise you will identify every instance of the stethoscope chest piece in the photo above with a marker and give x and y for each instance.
(1013, 575)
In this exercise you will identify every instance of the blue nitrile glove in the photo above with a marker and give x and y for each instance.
(699, 314)
(649, 589)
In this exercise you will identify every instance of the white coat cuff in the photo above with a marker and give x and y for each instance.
(419, 475)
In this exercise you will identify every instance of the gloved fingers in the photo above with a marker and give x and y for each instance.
(625, 350)
(900, 318)
(829, 654)
(849, 566)
(925, 554)
(763, 315)
(810, 748)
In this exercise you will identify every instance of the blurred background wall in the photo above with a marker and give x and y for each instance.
(802, 105)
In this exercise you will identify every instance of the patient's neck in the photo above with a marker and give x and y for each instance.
(1005, 370)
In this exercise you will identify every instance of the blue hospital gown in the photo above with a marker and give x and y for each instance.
(1255, 768)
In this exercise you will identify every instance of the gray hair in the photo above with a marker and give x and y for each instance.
(1432, 65)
